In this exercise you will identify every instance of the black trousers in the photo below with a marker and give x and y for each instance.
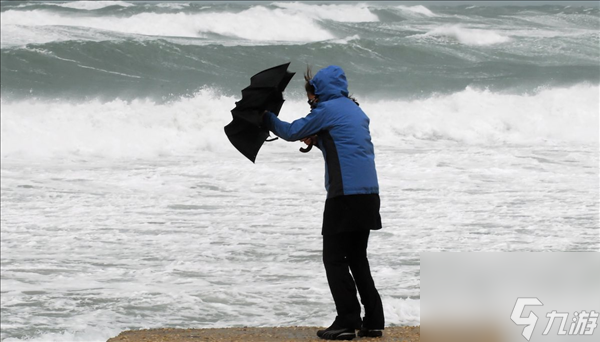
(342, 253)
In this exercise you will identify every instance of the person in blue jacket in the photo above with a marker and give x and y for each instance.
(340, 129)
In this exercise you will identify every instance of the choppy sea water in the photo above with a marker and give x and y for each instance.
(124, 206)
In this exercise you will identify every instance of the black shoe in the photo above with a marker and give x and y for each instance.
(366, 332)
(336, 333)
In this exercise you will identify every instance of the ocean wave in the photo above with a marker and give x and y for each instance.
(15, 36)
(173, 67)
(418, 10)
(176, 5)
(115, 129)
(341, 13)
(473, 116)
(92, 5)
(468, 36)
(247, 24)
(149, 51)
(78, 5)
(346, 40)
(287, 22)
(145, 129)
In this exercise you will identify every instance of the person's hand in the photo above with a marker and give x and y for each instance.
(312, 140)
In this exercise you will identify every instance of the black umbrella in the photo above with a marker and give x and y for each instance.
(264, 93)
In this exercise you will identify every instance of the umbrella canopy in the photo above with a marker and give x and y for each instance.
(265, 92)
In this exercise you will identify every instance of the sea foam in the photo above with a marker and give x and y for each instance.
(140, 128)
(287, 22)
(86, 335)
(475, 116)
(145, 129)
(418, 10)
(342, 13)
(469, 36)
(247, 24)
(93, 5)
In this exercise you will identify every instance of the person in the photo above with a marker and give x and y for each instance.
(340, 129)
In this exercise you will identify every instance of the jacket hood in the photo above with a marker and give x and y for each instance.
(330, 83)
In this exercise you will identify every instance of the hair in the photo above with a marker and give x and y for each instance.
(310, 89)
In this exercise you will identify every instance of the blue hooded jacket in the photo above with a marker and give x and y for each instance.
(343, 135)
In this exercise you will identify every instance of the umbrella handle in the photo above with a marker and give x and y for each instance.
(307, 149)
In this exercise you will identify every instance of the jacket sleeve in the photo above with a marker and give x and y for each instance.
(298, 129)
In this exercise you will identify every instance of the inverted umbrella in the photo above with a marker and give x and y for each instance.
(265, 92)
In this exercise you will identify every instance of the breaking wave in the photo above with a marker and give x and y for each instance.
(145, 129)
(293, 22)
(247, 24)
(473, 116)
(351, 13)
(418, 9)
(94, 5)
(468, 36)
